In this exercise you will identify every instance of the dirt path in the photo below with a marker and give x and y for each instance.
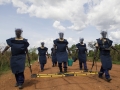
(91, 82)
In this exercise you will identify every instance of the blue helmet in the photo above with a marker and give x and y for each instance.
(61, 35)
(81, 39)
(104, 34)
(42, 43)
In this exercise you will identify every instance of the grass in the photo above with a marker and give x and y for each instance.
(6, 68)
(90, 58)
(116, 62)
(113, 61)
(31, 62)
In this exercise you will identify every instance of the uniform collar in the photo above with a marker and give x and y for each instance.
(42, 47)
(82, 44)
(103, 39)
(61, 40)
(21, 38)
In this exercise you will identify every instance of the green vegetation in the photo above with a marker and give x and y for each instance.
(114, 54)
(73, 51)
(4, 60)
(98, 60)
(116, 62)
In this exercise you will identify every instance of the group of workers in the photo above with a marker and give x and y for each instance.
(59, 53)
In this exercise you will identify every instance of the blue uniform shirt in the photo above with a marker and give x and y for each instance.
(62, 55)
(104, 47)
(82, 52)
(42, 55)
(18, 50)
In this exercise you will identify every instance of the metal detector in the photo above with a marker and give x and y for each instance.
(94, 62)
(32, 75)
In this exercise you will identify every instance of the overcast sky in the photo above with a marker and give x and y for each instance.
(41, 20)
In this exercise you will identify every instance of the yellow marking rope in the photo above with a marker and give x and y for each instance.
(66, 74)
(69, 73)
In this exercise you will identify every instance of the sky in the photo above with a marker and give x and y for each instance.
(42, 20)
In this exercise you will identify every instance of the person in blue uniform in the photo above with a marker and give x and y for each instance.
(61, 45)
(42, 51)
(82, 54)
(104, 45)
(54, 58)
(19, 50)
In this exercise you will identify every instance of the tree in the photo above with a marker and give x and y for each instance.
(92, 45)
(73, 50)
(33, 54)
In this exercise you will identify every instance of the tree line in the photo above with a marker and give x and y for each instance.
(114, 55)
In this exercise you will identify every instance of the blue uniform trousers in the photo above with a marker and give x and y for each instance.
(54, 63)
(64, 65)
(85, 65)
(42, 66)
(19, 78)
(102, 71)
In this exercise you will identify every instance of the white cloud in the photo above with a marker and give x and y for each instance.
(58, 26)
(22, 7)
(115, 36)
(102, 14)
(71, 10)
(35, 39)
(71, 41)
(4, 1)
(105, 15)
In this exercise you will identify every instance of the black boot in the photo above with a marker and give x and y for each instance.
(85, 70)
(16, 85)
(100, 75)
(20, 86)
(65, 70)
(108, 79)
(56, 65)
(60, 68)
(80, 68)
(42, 70)
(53, 65)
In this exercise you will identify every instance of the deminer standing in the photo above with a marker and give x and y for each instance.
(42, 51)
(104, 45)
(62, 56)
(19, 50)
(54, 58)
(82, 54)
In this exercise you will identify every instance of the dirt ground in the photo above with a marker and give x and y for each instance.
(90, 82)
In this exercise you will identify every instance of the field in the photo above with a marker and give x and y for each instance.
(90, 82)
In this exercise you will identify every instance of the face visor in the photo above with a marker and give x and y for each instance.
(61, 35)
(18, 33)
(81, 40)
(103, 34)
(42, 44)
